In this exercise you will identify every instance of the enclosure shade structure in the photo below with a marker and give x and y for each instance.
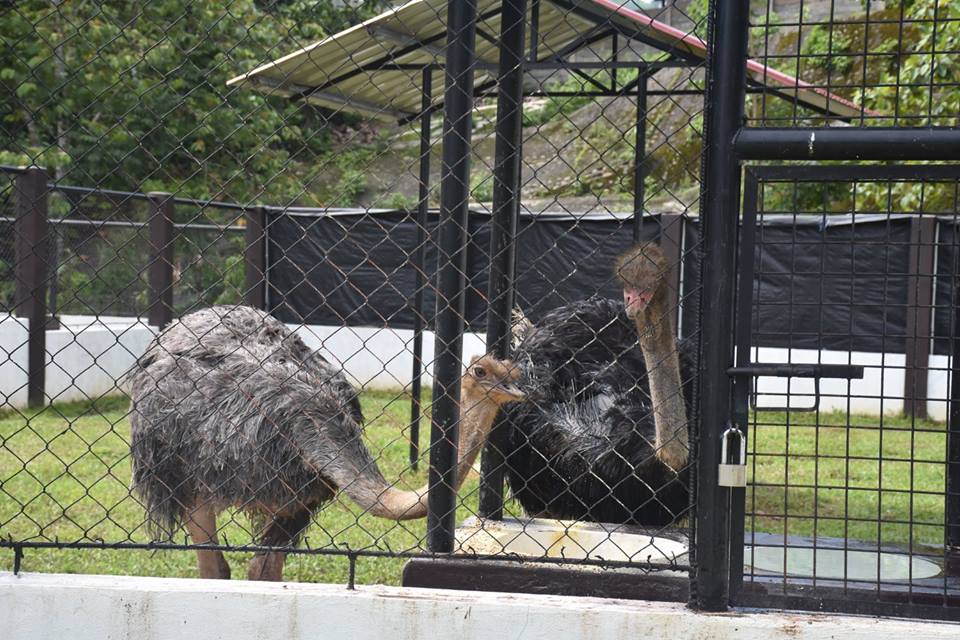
(454, 201)
(503, 228)
(720, 193)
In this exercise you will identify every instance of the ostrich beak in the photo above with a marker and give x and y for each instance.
(636, 300)
(512, 391)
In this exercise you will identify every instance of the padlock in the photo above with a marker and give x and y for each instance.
(733, 474)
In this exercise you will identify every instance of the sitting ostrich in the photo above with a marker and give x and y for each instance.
(603, 433)
(231, 409)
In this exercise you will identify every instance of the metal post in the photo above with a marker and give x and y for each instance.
(420, 259)
(160, 271)
(31, 274)
(534, 54)
(953, 424)
(503, 228)
(671, 241)
(919, 308)
(255, 258)
(640, 154)
(454, 199)
(725, 92)
(743, 328)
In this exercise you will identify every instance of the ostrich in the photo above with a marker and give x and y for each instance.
(603, 433)
(231, 409)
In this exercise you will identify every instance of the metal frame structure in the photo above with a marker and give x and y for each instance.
(726, 373)
(729, 144)
(929, 598)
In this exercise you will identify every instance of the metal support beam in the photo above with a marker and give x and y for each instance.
(953, 418)
(503, 228)
(848, 143)
(671, 241)
(408, 40)
(452, 256)
(255, 258)
(720, 195)
(32, 272)
(640, 154)
(419, 267)
(160, 269)
(921, 267)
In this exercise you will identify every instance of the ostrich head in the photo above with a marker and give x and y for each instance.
(641, 270)
(488, 378)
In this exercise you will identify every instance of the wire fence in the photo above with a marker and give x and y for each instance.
(292, 300)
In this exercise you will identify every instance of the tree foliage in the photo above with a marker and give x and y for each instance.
(133, 95)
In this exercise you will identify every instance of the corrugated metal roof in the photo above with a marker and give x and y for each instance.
(370, 69)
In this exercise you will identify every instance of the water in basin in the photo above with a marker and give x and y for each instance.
(839, 564)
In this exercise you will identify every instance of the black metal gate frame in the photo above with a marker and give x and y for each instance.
(820, 598)
(727, 144)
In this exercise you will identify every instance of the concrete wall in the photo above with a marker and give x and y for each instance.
(38, 606)
(87, 356)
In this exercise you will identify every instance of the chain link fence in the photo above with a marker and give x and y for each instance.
(348, 292)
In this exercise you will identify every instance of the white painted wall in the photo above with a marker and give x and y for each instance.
(42, 606)
(379, 358)
(88, 355)
(879, 392)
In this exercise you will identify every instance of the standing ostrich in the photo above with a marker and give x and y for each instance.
(231, 409)
(603, 434)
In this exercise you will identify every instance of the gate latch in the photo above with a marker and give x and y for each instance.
(733, 473)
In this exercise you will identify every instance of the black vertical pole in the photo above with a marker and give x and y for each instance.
(640, 154)
(953, 424)
(534, 54)
(255, 258)
(420, 259)
(452, 257)
(743, 332)
(720, 192)
(671, 241)
(160, 271)
(923, 231)
(503, 227)
(32, 251)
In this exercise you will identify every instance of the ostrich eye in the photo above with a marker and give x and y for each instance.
(479, 372)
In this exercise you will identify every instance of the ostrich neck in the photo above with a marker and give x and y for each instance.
(659, 346)
(476, 420)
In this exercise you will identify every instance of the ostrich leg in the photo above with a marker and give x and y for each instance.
(201, 522)
(281, 531)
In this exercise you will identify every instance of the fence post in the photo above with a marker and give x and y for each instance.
(255, 257)
(640, 154)
(503, 229)
(919, 307)
(671, 241)
(952, 494)
(160, 272)
(419, 265)
(720, 193)
(32, 252)
(452, 259)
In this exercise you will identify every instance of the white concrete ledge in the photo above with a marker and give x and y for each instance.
(40, 606)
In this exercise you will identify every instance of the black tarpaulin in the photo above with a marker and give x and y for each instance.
(835, 283)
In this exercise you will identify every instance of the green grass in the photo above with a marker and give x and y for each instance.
(64, 475)
(859, 477)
